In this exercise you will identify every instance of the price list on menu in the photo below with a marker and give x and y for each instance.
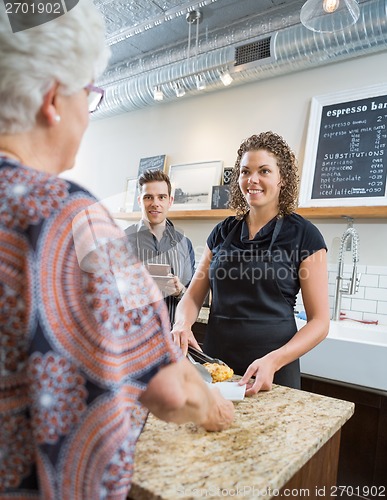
(351, 160)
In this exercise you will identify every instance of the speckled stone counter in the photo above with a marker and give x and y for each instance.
(273, 436)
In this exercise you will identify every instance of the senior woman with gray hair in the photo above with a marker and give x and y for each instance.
(85, 347)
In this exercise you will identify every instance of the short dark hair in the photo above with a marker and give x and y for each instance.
(154, 176)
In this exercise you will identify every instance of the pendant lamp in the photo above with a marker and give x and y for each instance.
(327, 16)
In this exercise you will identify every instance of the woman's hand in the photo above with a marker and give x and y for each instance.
(182, 336)
(177, 393)
(221, 414)
(263, 370)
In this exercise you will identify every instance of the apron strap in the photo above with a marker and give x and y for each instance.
(230, 235)
(277, 229)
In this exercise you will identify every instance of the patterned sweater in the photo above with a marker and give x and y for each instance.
(83, 329)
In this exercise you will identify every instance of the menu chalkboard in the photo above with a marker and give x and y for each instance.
(220, 196)
(350, 161)
(149, 163)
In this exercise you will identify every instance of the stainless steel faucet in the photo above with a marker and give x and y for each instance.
(350, 286)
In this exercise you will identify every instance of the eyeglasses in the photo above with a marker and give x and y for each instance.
(94, 96)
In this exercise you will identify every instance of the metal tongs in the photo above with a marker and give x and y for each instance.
(205, 374)
(200, 357)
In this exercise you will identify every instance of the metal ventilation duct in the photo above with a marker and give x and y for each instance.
(252, 53)
(129, 87)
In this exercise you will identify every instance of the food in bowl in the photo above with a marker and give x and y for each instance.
(219, 373)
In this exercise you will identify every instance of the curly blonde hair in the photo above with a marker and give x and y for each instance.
(287, 164)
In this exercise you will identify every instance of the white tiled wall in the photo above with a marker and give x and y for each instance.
(370, 302)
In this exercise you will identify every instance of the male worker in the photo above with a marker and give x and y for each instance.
(167, 252)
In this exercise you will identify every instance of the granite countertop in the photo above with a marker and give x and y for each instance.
(274, 434)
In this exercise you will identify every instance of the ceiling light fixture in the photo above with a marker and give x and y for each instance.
(179, 89)
(226, 78)
(327, 16)
(200, 82)
(195, 76)
(158, 94)
(193, 17)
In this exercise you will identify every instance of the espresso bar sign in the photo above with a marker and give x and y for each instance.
(350, 153)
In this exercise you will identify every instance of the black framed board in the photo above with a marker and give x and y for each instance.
(346, 150)
(220, 196)
(149, 163)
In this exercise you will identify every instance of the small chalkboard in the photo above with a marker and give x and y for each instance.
(346, 150)
(149, 163)
(220, 196)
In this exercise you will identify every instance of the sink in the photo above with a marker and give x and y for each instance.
(352, 352)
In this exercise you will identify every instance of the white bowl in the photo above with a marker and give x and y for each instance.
(231, 390)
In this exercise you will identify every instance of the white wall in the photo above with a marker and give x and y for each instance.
(211, 127)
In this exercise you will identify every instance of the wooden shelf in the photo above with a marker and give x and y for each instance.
(338, 212)
(180, 214)
(308, 213)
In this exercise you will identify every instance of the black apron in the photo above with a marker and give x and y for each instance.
(249, 315)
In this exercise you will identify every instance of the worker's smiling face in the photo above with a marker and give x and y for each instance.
(260, 179)
(155, 201)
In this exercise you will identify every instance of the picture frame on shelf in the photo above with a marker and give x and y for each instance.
(192, 184)
(226, 176)
(148, 163)
(345, 161)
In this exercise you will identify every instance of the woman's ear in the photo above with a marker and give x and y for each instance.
(48, 108)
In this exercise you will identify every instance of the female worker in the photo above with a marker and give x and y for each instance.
(255, 264)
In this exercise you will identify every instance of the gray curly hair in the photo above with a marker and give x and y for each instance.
(69, 50)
